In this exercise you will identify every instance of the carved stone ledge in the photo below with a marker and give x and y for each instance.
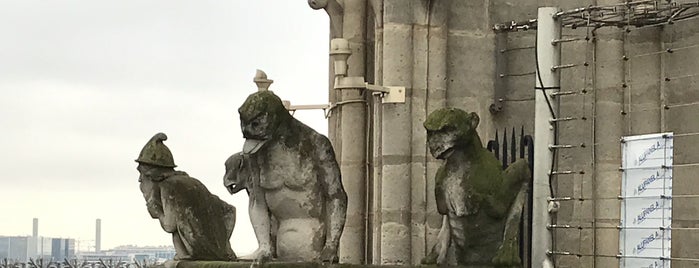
(247, 264)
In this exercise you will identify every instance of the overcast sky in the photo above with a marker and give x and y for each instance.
(85, 83)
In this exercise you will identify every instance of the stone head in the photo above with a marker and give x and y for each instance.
(237, 173)
(449, 129)
(155, 153)
(155, 159)
(317, 4)
(261, 114)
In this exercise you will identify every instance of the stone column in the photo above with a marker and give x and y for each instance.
(429, 94)
(436, 98)
(353, 122)
(609, 122)
(471, 46)
(396, 134)
(643, 96)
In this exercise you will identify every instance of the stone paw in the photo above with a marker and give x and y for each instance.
(430, 258)
(260, 255)
(329, 255)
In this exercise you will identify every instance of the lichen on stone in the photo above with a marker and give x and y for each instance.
(261, 101)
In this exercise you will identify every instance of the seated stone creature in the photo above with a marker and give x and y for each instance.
(297, 202)
(238, 176)
(481, 203)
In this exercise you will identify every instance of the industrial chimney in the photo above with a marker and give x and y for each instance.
(98, 235)
(35, 229)
(34, 244)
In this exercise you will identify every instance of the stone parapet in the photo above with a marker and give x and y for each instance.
(247, 264)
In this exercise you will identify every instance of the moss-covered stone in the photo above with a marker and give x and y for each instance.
(452, 118)
(259, 102)
(474, 193)
(155, 153)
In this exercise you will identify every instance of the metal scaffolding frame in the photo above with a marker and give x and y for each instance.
(628, 15)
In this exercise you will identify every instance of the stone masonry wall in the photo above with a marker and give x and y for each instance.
(445, 53)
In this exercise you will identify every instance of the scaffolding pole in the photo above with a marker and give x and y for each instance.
(548, 55)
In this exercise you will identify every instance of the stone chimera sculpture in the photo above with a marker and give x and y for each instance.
(201, 224)
(297, 202)
(481, 204)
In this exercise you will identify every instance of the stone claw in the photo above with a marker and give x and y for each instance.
(329, 255)
(429, 259)
(260, 255)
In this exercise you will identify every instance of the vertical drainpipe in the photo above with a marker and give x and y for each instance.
(377, 8)
(547, 81)
(353, 120)
(396, 134)
(335, 14)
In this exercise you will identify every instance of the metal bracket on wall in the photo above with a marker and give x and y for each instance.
(389, 94)
(293, 108)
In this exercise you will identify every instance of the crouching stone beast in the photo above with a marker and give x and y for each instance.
(481, 203)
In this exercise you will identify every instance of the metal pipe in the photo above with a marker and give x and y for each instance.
(547, 56)
(377, 149)
(353, 118)
(308, 107)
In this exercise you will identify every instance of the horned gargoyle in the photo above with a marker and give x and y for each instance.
(481, 203)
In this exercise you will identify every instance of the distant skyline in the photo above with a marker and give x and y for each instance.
(85, 83)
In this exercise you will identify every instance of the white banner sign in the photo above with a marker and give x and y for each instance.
(646, 201)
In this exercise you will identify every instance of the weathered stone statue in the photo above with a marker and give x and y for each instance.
(238, 173)
(201, 224)
(297, 202)
(481, 204)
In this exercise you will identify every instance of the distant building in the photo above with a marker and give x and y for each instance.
(44, 248)
(160, 253)
(130, 254)
(21, 248)
(106, 257)
(62, 248)
(15, 248)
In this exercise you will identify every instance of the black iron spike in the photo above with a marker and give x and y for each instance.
(530, 153)
(513, 150)
(504, 150)
(521, 143)
(496, 146)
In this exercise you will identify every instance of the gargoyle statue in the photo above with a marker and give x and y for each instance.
(481, 203)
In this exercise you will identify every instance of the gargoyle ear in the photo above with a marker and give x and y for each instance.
(474, 120)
